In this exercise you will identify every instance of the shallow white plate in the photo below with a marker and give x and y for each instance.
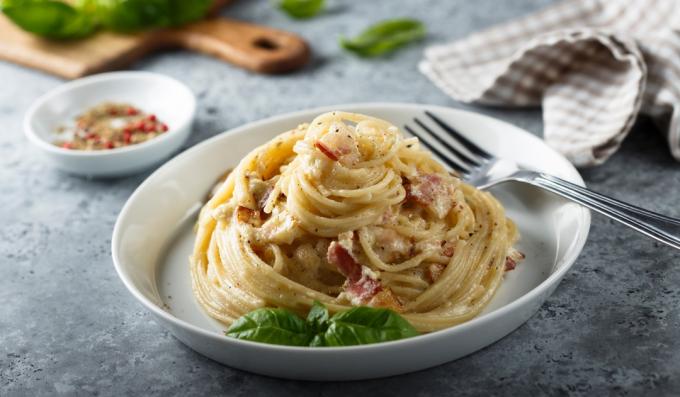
(153, 236)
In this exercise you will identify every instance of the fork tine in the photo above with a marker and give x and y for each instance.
(459, 168)
(458, 136)
(448, 146)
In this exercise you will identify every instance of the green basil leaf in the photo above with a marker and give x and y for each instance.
(51, 19)
(317, 341)
(56, 19)
(183, 11)
(317, 318)
(385, 37)
(132, 15)
(357, 326)
(301, 9)
(275, 326)
(363, 325)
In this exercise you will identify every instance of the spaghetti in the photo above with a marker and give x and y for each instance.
(347, 212)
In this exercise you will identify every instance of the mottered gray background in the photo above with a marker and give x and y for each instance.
(69, 327)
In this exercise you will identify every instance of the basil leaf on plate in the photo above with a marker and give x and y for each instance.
(362, 325)
(318, 341)
(301, 9)
(275, 326)
(317, 318)
(51, 19)
(385, 37)
(357, 326)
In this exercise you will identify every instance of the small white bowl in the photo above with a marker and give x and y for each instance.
(163, 96)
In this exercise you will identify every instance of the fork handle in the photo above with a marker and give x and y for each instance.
(660, 227)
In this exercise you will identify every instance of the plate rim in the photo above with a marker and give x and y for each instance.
(551, 281)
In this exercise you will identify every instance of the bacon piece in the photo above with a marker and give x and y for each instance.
(340, 144)
(424, 187)
(407, 188)
(361, 286)
(249, 216)
(260, 189)
(434, 271)
(387, 300)
(326, 150)
(364, 289)
(432, 192)
(447, 248)
(513, 259)
(339, 256)
(244, 214)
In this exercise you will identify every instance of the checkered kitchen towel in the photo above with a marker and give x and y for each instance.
(592, 64)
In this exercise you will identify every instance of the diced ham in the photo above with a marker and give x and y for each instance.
(432, 192)
(363, 290)
(245, 215)
(259, 189)
(330, 153)
(339, 144)
(249, 216)
(362, 286)
(407, 188)
(340, 257)
(386, 299)
(448, 248)
(513, 259)
(434, 271)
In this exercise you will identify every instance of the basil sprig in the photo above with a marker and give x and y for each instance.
(133, 15)
(385, 37)
(49, 18)
(59, 20)
(275, 326)
(301, 9)
(357, 326)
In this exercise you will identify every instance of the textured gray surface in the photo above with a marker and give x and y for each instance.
(68, 326)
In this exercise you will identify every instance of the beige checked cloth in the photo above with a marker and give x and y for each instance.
(592, 64)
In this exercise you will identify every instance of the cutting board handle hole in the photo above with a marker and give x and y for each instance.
(265, 43)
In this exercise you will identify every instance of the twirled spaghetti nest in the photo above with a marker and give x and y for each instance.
(347, 211)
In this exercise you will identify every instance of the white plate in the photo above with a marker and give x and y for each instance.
(152, 240)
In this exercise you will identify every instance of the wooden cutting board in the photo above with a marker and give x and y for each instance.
(253, 47)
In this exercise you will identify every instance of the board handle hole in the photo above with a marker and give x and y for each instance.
(265, 44)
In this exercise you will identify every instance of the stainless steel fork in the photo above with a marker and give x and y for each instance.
(482, 169)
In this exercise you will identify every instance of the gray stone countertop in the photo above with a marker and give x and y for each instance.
(68, 326)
